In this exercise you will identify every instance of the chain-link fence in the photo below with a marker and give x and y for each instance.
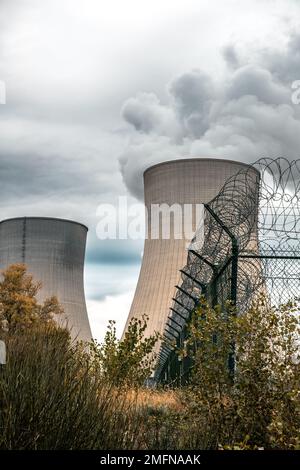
(248, 243)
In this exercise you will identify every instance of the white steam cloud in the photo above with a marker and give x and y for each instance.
(243, 115)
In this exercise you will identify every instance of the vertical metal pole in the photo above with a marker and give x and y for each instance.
(234, 271)
(234, 277)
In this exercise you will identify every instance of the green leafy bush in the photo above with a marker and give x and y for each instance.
(260, 405)
(126, 362)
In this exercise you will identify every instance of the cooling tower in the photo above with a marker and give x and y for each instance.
(189, 181)
(53, 250)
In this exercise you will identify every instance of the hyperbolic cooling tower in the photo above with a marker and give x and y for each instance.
(189, 181)
(53, 250)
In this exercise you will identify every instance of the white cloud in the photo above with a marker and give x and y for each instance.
(111, 308)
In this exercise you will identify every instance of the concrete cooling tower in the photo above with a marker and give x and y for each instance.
(190, 181)
(53, 250)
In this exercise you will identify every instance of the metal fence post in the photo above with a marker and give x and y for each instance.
(234, 277)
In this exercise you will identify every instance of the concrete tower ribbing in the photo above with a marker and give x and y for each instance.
(53, 250)
(189, 181)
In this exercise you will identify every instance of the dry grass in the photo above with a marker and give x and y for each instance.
(144, 397)
(166, 398)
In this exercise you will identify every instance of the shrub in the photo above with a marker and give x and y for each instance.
(51, 398)
(126, 362)
(260, 405)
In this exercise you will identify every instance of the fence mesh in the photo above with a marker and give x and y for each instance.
(248, 243)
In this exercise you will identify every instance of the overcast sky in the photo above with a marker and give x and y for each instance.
(97, 91)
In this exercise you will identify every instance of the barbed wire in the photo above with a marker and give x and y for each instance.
(258, 212)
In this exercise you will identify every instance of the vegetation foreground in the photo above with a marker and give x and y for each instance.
(58, 394)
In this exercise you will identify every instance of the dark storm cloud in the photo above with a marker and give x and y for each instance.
(231, 56)
(256, 81)
(244, 116)
(51, 167)
(285, 65)
(31, 175)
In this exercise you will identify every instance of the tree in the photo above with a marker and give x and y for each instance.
(128, 361)
(19, 307)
